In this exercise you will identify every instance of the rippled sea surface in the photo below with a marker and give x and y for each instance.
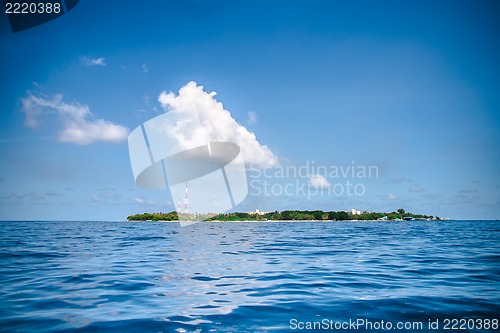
(246, 277)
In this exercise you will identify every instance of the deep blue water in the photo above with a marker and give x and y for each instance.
(246, 277)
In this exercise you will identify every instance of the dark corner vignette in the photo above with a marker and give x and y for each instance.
(27, 14)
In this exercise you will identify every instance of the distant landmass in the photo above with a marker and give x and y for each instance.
(287, 215)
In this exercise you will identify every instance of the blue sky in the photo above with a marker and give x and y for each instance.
(410, 87)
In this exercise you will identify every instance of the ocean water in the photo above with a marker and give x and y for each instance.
(249, 277)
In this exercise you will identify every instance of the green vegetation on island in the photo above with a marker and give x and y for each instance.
(288, 215)
(172, 216)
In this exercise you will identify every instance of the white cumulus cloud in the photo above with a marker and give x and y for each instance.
(217, 124)
(79, 125)
(318, 181)
(93, 61)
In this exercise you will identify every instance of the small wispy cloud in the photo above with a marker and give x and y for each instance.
(50, 193)
(467, 195)
(150, 202)
(87, 61)
(109, 197)
(416, 189)
(139, 200)
(318, 182)
(252, 118)
(432, 197)
(145, 68)
(399, 180)
(28, 198)
(79, 124)
(391, 196)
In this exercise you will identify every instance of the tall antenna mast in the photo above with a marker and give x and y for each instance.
(186, 201)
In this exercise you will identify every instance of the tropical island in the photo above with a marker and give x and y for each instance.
(287, 215)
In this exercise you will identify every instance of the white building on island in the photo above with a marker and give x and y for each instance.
(257, 212)
(355, 212)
